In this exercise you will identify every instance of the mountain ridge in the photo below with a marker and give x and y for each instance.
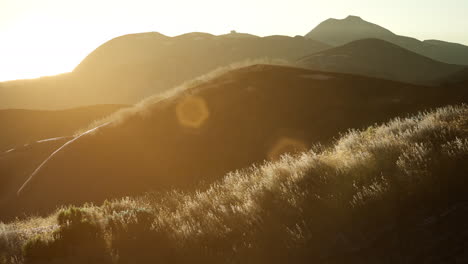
(132, 67)
(341, 31)
(381, 59)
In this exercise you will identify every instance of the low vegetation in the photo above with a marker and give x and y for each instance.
(372, 197)
(144, 106)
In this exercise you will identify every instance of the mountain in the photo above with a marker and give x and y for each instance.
(23, 127)
(228, 122)
(337, 32)
(381, 59)
(129, 68)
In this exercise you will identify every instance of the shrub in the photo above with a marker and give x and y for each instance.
(78, 239)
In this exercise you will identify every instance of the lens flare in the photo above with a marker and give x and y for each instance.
(286, 145)
(192, 112)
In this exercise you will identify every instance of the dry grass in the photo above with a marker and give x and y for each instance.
(325, 202)
(144, 107)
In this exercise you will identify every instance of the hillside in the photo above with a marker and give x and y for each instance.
(130, 68)
(17, 164)
(28, 137)
(338, 32)
(380, 59)
(190, 138)
(27, 126)
(459, 78)
(395, 193)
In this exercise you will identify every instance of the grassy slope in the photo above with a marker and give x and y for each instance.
(22, 148)
(21, 126)
(253, 113)
(395, 192)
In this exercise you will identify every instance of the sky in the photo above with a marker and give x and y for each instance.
(47, 37)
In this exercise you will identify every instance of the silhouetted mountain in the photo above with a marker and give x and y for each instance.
(341, 31)
(337, 32)
(198, 134)
(380, 59)
(21, 127)
(131, 67)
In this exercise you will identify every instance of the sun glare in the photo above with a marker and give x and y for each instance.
(39, 46)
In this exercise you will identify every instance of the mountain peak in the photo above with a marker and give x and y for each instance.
(351, 28)
(337, 32)
(353, 18)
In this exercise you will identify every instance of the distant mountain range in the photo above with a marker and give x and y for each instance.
(129, 68)
(132, 67)
(337, 32)
(198, 134)
(381, 59)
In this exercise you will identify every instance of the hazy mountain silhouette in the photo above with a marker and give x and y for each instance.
(341, 31)
(197, 135)
(131, 67)
(337, 32)
(27, 126)
(381, 59)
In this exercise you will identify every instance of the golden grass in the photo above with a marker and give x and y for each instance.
(144, 107)
(301, 208)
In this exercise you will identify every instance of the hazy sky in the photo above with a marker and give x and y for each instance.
(44, 37)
